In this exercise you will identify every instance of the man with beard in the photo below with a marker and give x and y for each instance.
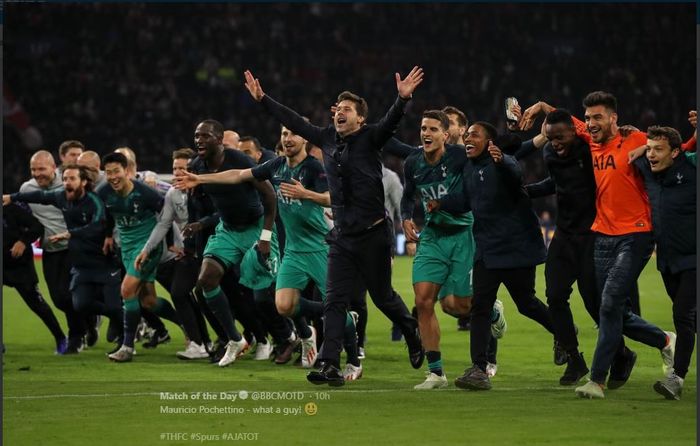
(94, 273)
(54, 259)
(624, 241)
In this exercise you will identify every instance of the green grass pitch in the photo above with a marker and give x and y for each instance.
(86, 400)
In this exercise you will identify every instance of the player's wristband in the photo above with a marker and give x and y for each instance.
(266, 235)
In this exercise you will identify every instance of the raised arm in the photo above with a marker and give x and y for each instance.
(288, 117)
(531, 145)
(530, 114)
(389, 123)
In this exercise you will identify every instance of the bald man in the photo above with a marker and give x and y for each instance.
(251, 146)
(55, 254)
(231, 139)
(91, 161)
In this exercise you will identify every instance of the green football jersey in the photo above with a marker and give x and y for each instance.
(135, 215)
(432, 182)
(304, 225)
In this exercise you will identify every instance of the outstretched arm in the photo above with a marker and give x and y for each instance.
(38, 196)
(188, 180)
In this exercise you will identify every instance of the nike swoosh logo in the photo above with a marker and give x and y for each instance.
(114, 273)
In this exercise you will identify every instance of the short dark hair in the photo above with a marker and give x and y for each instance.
(216, 126)
(67, 145)
(360, 103)
(559, 116)
(603, 98)
(490, 130)
(84, 174)
(184, 153)
(668, 133)
(461, 117)
(438, 115)
(115, 157)
(254, 140)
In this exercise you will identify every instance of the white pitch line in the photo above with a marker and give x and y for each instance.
(111, 395)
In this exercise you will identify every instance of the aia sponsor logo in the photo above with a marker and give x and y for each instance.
(604, 162)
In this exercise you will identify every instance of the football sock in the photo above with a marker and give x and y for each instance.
(218, 303)
(434, 362)
(350, 340)
(132, 316)
(302, 327)
(164, 309)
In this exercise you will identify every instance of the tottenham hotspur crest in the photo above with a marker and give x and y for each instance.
(679, 178)
(136, 208)
(444, 170)
(481, 174)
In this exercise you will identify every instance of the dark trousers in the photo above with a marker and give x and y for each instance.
(245, 308)
(359, 306)
(29, 292)
(520, 283)
(619, 260)
(682, 288)
(181, 275)
(97, 292)
(361, 258)
(57, 268)
(569, 260)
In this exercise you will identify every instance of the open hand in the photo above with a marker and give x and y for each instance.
(253, 85)
(407, 85)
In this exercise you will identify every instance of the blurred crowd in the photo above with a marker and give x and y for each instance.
(143, 75)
